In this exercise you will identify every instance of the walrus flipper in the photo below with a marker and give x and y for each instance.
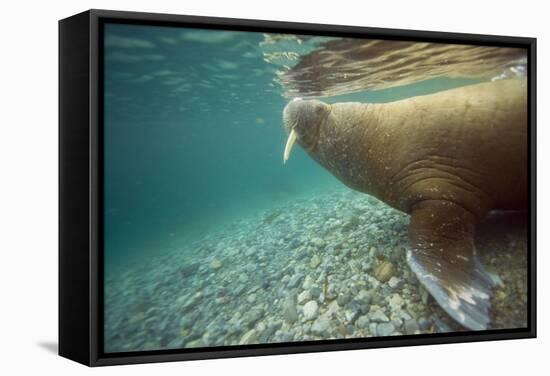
(443, 256)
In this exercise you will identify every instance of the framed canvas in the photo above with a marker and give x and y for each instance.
(236, 187)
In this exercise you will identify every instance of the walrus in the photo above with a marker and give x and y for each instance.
(447, 159)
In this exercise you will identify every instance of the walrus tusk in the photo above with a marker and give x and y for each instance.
(289, 143)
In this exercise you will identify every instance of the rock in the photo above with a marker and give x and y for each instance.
(175, 343)
(385, 329)
(395, 302)
(253, 316)
(290, 313)
(308, 282)
(268, 332)
(315, 262)
(384, 271)
(372, 328)
(310, 310)
(188, 270)
(222, 300)
(378, 316)
(243, 278)
(362, 322)
(315, 292)
(352, 223)
(304, 297)
(320, 326)
(285, 337)
(249, 337)
(351, 316)
(330, 293)
(216, 264)
(343, 299)
(376, 297)
(411, 327)
(251, 298)
(424, 323)
(295, 243)
(239, 290)
(196, 343)
(397, 322)
(500, 295)
(250, 252)
(294, 281)
(186, 322)
(373, 252)
(441, 325)
(261, 327)
(363, 297)
(342, 330)
(404, 315)
(424, 295)
(318, 242)
(394, 282)
(397, 254)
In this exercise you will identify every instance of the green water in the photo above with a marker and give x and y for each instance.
(193, 136)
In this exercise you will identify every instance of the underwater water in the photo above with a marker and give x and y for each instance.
(210, 240)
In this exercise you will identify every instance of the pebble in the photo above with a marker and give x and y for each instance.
(268, 332)
(378, 316)
(320, 326)
(315, 262)
(251, 298)
(196, 343)
(372, 328)
(394, 282)
(351, 316)
(376, 297)
(364, 297)
(216, 264)
(294, 281)
(243, 278)
(310, 310)
(395, 302)
(424, 295)
(304, 297)
(318, 242)
(290, 312)
(343, 299)
(308, 283)
(357, 285)
(362, 322)
(384, 271)
(385, 329)
(253, 316)
(239, 290)
(315, 292)
(188, 270)
(249, 337)
(411, 327)
(424, 323)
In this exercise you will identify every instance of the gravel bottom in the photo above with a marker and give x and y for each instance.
(327, 267)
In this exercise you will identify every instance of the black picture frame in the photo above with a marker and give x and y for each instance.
(80, 192)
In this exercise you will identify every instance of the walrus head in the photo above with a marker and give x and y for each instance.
(302, 119)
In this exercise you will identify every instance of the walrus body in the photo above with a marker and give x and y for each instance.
(446, 158)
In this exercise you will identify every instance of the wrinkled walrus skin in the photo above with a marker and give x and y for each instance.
(446, 158)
